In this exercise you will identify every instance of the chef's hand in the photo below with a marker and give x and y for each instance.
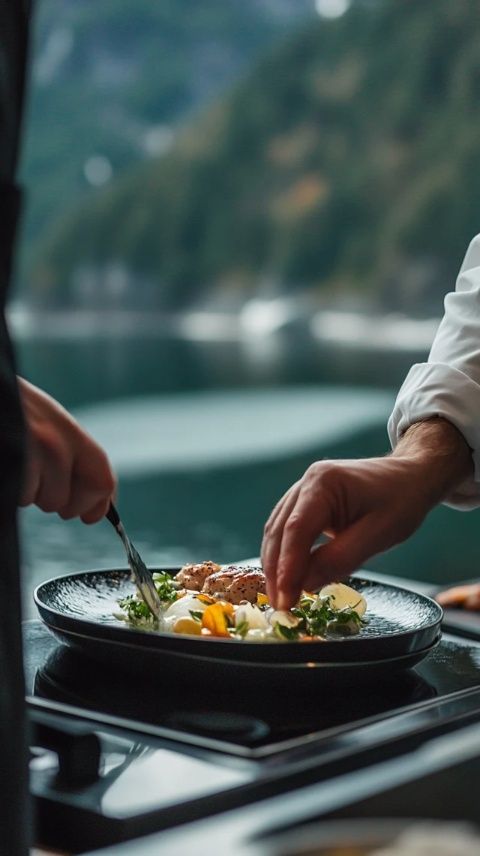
(466, 597)
(364, 506)
(66, 471)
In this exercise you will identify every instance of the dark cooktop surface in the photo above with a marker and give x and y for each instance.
(240, 720)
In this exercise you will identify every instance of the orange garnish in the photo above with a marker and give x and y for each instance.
(262, 599)
(205, 598)
(215, 618)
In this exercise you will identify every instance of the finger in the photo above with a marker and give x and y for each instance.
(82, 501)
(273, 532)
(85, 500)
(273, 538)
(93, 484)
(97, 512)
(31, 483)
(456, 596)
(52, 474)
(93, 467)
(293, 489)
(306, 522)
(348, 551)
(473, 599)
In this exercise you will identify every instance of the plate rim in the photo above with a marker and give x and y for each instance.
(312, 667)
(358, 640)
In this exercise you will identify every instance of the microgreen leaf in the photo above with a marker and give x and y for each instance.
(166, 588)
(241, 629)
(286, 633)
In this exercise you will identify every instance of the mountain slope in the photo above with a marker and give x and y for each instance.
(113, 80)
(345, 163)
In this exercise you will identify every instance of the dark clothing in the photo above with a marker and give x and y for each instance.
(13, 815)
(14, 16)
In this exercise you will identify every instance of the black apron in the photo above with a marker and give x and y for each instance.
(13, 804)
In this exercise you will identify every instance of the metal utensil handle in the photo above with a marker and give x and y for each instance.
(113, 516)
(141, 574)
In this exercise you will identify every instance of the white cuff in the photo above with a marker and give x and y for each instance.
(435, 389)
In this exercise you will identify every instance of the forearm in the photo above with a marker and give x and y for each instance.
(438, 453)
(447, 387)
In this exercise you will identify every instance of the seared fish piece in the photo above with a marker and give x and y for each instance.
(194, 576)
(467, 596)
(235, 584)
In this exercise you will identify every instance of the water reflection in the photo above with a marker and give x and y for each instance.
(93, 367)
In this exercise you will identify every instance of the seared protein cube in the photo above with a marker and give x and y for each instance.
(193, 576)
(235, 584)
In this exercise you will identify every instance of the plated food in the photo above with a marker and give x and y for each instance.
(207, 600)
(400, 629)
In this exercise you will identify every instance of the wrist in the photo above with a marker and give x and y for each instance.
(439, 454)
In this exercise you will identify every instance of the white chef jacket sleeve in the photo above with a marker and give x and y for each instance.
(448, 385)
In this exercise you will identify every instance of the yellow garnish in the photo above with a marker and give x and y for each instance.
(262, 599)
(187, 625)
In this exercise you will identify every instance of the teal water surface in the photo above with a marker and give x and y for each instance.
(205, 437)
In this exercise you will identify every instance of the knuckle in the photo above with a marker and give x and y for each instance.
(327, 472)
(293, 524)
(314, 469)
(320, 470)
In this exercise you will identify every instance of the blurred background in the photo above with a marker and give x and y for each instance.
(242, 221)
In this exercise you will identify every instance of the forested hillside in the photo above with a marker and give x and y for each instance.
(112, 80)
(347, 163)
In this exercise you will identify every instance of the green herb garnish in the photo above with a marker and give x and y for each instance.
(136, 609)
(317, 617)
(241, 629)
(166, 588)
(286, 633)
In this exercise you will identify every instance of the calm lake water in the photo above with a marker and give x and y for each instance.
(206, 436)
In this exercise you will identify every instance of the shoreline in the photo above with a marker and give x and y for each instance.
(392, 332)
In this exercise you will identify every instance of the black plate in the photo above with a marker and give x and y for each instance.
(402, 627)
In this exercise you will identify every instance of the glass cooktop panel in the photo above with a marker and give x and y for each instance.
(238, 715)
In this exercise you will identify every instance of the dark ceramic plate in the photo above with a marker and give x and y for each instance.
(402, 627)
